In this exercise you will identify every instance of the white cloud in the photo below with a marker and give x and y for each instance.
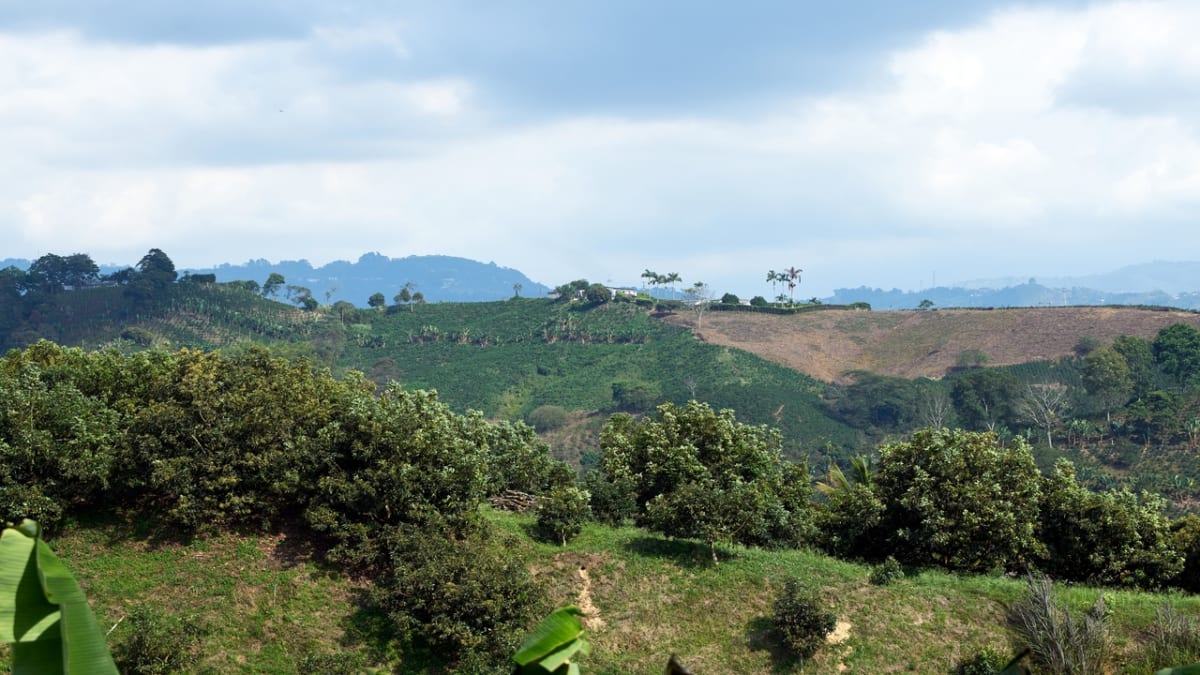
(966, 140)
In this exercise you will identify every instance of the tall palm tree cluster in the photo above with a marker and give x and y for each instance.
(656, 279)
(790, 277)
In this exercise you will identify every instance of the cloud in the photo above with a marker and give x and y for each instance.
(970, 144)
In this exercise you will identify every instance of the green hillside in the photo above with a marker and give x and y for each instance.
(507, 358)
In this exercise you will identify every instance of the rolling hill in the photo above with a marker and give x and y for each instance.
(829, 344)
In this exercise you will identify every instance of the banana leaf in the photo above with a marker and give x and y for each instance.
(43, 612)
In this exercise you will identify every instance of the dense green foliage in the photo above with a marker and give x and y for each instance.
(701, 474)
(1107, 538)
(393, 480)
(562, 513)
(960, 500)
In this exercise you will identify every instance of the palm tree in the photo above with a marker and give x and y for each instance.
(793, 279)
(861, 471)
(671, 278)
(652, 278)
(772, 277)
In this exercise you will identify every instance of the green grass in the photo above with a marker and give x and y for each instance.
(262, 608)
(266, 604)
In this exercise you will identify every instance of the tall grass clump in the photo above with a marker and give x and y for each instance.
(1059, 643)
(1173, 640)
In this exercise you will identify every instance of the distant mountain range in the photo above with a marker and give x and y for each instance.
(1173, 284)
(1030, 294)
(1168, 277)
(439, 278)
(451, 279)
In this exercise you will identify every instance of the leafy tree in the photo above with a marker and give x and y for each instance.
(758, 301)
(1185, 536)
(562, 513)
(547, 417)
(700, 474)
(52, 273)
(271, 286)
(56, 443)
(959, 500)
(635, 395)
(1139, 357)
(518, 460)
(985, 399)
(598, 294)
(1111, 538)
(377, 301)
(925, 304)
(1155, 415)
(407, 459)
(1177, 351)
(1107, 378)
(730, 299)
(157, 269)
(345, 310)
(878, 402)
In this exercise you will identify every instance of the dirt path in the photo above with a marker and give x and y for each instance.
(829, 344)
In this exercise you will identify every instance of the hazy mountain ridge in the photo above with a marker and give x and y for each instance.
(1031, 294)
(439, 278)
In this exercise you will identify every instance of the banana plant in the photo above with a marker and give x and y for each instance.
(553, 645)
(43, 613)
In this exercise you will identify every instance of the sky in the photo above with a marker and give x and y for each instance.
(869, 143)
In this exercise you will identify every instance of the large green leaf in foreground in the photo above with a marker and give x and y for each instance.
(43, 612)
(551, 646)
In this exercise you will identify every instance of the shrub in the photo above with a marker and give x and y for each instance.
(887, 572)
(729, 299)
(158, 642)
(987, 662)
(802, 619)
(547, 417)
(759, 301)
(460, 593)
(1086, 345)
(562, 513)
(1059, 643)
(613, 501)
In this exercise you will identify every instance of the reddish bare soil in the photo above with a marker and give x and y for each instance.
(829, 344)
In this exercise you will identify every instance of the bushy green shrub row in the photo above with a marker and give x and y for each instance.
(961, 500)
(391, 480)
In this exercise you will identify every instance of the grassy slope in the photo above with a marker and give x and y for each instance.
(266, 605)
(828, 344)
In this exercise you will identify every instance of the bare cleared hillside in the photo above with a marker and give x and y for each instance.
(828, 344)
